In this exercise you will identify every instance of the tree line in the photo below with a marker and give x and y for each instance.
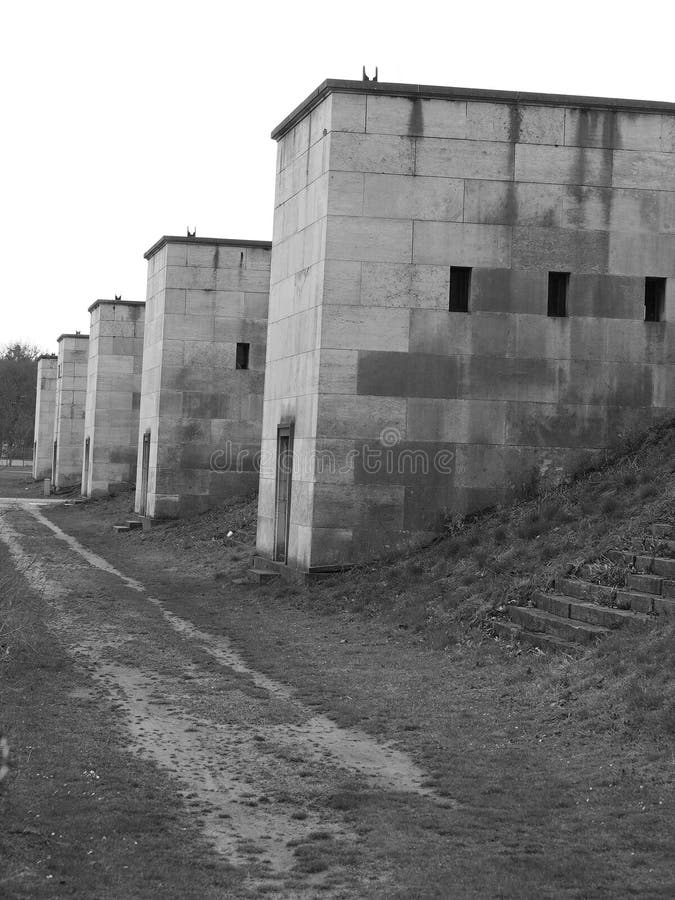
(18, 377)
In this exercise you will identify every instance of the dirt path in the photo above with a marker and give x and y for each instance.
(227, 733)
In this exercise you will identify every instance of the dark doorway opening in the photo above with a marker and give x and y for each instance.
(145, 472)
(284, 485)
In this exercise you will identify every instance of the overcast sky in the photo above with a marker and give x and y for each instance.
(125, 121)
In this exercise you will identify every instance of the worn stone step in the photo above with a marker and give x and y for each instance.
(635, 600)
(539, 639)
(664, 606)
(663, 530)
(581, 611)
(567, 629)
(668, 588)
(585, 590)
(645, 584)
(648, 565)
(263, 576)
(121, 528)
(134, 523)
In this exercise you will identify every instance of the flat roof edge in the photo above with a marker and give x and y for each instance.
(47, 356)
(84, 337)
(221, 242)
(115, 303)
(430, 92)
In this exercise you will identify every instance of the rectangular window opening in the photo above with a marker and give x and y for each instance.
(655, 299)
(460, 288)
(242, 355)
(557, 294)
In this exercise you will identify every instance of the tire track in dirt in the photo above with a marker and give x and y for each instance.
(252, 738)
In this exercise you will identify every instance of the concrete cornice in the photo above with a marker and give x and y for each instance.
(429, 92)
(214, 242)
(115, 303)
(83, 337)
(47, 356)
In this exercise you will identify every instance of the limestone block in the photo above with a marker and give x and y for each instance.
(616, 384)
(493, 334)
(347, 112)
(342, 282)
(253, 305)
(450, 158)
(307, 287)
(192, 277)
(365, 328)
(390, 374)
(294, 143)
(664, 388)
(563, 165)
(456, 244)
(494, 378)
(329, 546)
(201, 303)
(376, 506)
(371, 153)
(561, 250)
(380, 240)
(509, 290)
(642, 254)
(345, 194)
(407, 197)
(403, 115)
(510, 203)
(540, 337)
(625, 340)
(169, 255)
(668, 134)
(240, 279)
(457, 421)
(401, 285)
(633, 169)
(188, 327)
(606, 296)
(607, 208)
(353, 417)
(319, 119)
(440, 332)
(609, 128)
(556, 425)
(337, 374)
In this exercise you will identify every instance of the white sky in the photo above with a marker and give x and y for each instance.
(125, 121)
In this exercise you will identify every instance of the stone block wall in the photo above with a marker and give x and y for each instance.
(407, 411)
(113, 397)
(71, 392)
(45, 404)
(201, 404)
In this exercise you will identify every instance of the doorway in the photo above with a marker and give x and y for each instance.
(85, 476)
(54, 464)
(145, 471)
(284, 483)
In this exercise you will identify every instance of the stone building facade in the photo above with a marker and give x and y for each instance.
(203, 373)
(71, 392)
(469, 290)
(45, 404)
(113, 396)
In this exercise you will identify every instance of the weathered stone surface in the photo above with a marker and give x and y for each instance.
(71, 393)
(203, 415)
(113, 397)
(45, 407)
(365, 356)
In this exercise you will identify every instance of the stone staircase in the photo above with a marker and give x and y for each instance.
(131, 525)
(580, 610)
